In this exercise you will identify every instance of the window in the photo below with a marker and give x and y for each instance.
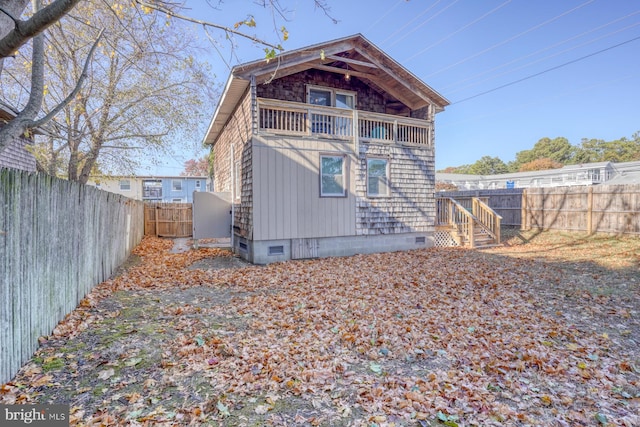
(377, 177)
(197, 184)
(176, 200)
(152, 189)
(125, 185)
(176, 184)
(329, 97)
(332, 176)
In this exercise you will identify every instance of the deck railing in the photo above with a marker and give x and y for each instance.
(466, 220)
(292, 118)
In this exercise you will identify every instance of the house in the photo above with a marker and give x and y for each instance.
(569, 175)
(168, 189)
(16, 155)
(326, 150)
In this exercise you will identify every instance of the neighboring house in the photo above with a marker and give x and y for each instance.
(174, 189)
(581, 174)
(326, 150)
(16, 155)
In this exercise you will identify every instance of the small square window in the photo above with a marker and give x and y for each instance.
(176, 185)
(332, 176)
(125, 185)
(377, 177)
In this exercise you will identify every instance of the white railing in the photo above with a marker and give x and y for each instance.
(292, 118)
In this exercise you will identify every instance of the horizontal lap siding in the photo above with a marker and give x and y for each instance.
(286, 190)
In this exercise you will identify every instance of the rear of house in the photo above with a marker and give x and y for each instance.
(327, 151)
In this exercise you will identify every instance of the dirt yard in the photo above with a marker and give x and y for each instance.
(542, 332)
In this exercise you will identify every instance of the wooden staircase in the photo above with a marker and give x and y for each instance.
(474, 226)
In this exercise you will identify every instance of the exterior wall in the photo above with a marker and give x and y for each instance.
(16, 156)
(410, 206)
(294, 88)
(236, 136)
(112, 185)
(286, 188)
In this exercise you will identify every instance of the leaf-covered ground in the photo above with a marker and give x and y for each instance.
(542, 332)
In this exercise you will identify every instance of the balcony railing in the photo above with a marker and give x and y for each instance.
(292, 118)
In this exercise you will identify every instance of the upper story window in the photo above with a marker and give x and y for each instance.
(176, 184)
(125, 184)
(329, 97)
(332, 176)
(197, 184)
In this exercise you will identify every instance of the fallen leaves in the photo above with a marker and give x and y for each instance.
(445, 335)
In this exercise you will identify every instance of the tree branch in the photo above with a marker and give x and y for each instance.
(40, 21)
(76, 90)
(209, 24)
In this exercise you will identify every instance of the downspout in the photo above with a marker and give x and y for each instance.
(233, 198)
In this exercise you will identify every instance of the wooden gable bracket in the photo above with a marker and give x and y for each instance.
(403, 82)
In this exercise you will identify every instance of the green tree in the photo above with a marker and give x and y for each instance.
(540, 165)
(488, 165)
(598, 150)
(557, 149)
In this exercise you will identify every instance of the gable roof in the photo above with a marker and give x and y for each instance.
(354, 55)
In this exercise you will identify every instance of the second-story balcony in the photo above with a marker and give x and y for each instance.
(298, 119)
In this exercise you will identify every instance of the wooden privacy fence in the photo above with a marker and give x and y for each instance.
(592, 209)
(506, 202)
(168, 219)
(57, 240)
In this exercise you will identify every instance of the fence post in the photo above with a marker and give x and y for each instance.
(523, 210)
(590, 211)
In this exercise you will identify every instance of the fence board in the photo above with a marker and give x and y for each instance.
(592, 209)
(58, 239)
(168, 219)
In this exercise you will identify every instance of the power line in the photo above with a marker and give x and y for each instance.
(459, 30)
(441, 11)
(535, 27)
(547, 70)
(410, 22)
(457, 84)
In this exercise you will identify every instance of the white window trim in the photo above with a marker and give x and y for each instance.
(173, 188)
(333, 91)
(344, 176)
(128, 181)
(387, 186)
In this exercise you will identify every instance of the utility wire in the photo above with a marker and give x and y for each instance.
(441, 11)
(547, 57)
(547, 70)
(410, 22)
(535, 27)
(461, 29)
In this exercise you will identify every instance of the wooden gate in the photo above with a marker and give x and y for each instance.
(168, 219)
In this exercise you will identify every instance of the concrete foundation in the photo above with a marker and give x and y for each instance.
(268, 251)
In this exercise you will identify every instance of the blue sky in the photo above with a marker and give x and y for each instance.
(514, 71)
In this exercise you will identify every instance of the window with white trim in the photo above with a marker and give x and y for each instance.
(377, 177)
(176, 184)
(332, 176)
(198, 184)
(330, 97)
(125, 185)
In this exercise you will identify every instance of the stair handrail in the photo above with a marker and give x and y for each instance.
(459, 217)
(488, 219)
